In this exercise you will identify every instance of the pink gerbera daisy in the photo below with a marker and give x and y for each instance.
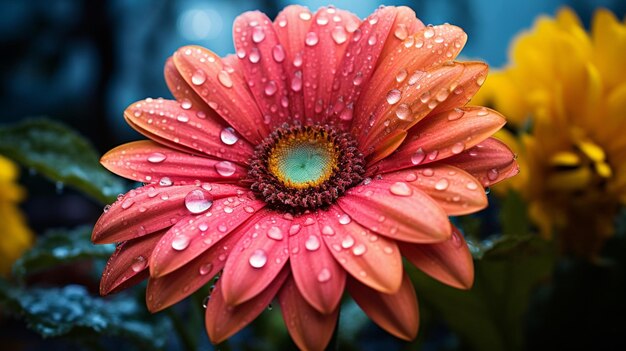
(308, 163)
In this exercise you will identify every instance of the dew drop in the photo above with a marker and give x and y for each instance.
(482, 112)
(278, 53)
(418, 156)
(401, 75)
(358, 78)
(198, 201)
(347, 242)
(165, 181)
(225, 168)
(183, 118)
(198, 78)
(328, 230)
(228, 136)
(275, 233)
(294, 229)
(311, 39)
(428, 172)
(203, 227)
(480, 80)
(401, 31)
(180, 242)
(258, 258)
(270, 88)
(139, 263)
(439, 40)
(442, 184)
(185, 104)
(403, 112)
(156, 157)
(401, 189)
(324, 275)
(455, 114)
(312, 243)
(359, 250)
(492, 174)
(255, 55)
(471, 186)
(305, 16)
(393, 96)
(345, 219)
(339, 35)
(372, 40)
(224, 79)
(127, 203)
(457, 148)
(429, 33)
(205, 268)
(258, 34)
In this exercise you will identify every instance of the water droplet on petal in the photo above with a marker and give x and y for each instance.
(270, 88)
(429, 33)
(225, 168)
(492, 174)
(275, 233)
(228, 136)
(393, 96)
(312, 243)
(198, 201)
(180, 242)
(347, 242)
(442, 184)
(205, 268)
(401, 189)
(403, 112)
(305, 16)
(339, 35)
(278, 53)
(255, 55)
(294, 229)
(165, 181)
(471, 186)
(457, 148)
(224, 79)
(345, 219)
(127, 203)
(183, 118)
(455, 114)
(328, 230)
(359, 250)
(418, 156)
(156, 157)
(323, 275)
(372, 40)
(203, 227)
(258, 34)
(258, 258)
(311, 39)
(198, 78)
(401, 31)
(401, 75)
(139, 263)
(185, 104)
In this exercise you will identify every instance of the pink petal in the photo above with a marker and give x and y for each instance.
(257, 259)
(406, 106)
(291, 26)
(309, 329)
(169, 289)
(325, 45)
(440, 136)
(372, 259)
(405, 25)
(319, 277)
(360, 60)
(189, 239)
(223, 88)
(261, 55)
(128, 264)
(490, 162)
(147, 161)
(397, 313)
(404, 70)
(397, 210)
(455, 190)
(450, 262)
(171, 123)
(223, 320)
(467, 85)
(148, 209)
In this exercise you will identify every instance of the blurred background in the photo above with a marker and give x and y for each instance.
(82, 62)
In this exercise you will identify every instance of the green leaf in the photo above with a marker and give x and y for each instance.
(59, 246)
(490, 315)
(71, 311)
(60, 154)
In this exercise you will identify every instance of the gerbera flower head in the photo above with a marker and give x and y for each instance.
(306, 164)
(569, 86)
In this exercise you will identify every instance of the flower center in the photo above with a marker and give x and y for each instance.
(303, 168)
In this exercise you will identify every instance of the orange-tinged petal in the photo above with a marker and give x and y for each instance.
(262, 57)
(396, 210)
(404, 68)
(309, 329)
(491, 161)
(323, 53)
(455, 190)
(443, 135)
(190, 238)
(223, 88)
(359, 62)
(404, 25)
(128, 265)
(397, 313)
(169, 289)
(148, 209)
(147, 161)
(467, 85)
(373, 260)
(223, 320)
(319, 277)
(450, 262)
(257, 259)
(404, 107)
(178, 126)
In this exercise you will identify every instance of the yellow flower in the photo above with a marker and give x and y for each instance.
(564, 91)
(15, 236)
